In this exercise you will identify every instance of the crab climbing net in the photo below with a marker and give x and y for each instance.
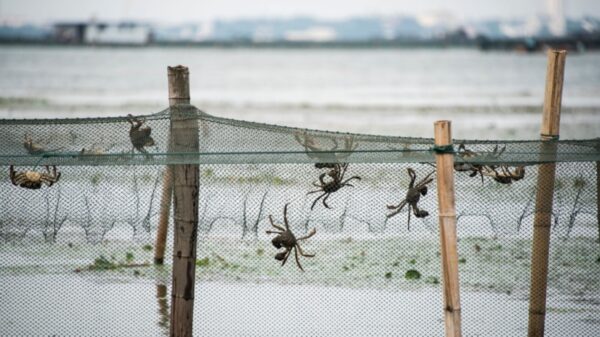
(80, 201)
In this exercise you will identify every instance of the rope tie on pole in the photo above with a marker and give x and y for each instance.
(546, 137)
(441, 149)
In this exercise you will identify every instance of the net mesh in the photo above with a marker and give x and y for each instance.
(76, 257)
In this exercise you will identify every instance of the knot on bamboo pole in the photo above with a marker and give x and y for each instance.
(452, 310)
(182, 297)
(180, 255)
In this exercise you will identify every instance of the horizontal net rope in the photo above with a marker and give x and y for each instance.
(110, 141)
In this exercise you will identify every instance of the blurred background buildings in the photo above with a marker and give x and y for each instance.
(436, 27)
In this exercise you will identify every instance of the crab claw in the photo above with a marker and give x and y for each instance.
(276, 242)
(421, 213)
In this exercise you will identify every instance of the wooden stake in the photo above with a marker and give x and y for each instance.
(179, 93)
(447, 219)
(184, 139)
(163, 220)
(545, 193)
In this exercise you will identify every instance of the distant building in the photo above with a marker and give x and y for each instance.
(71, 33)
(99, 33)
(311, 34)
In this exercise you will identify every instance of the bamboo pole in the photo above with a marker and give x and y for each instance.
(447, 220)
(184, 139)
(179, 93)
(163, 220)
(545, 193)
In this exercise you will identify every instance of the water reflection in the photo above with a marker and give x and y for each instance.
(163, 308)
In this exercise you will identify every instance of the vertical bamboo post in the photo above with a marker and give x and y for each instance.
(447, 220)
(184, 139)
(545, 193)
(179, 93)
(163, 220)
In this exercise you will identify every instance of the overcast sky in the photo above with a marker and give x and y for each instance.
(198, 10)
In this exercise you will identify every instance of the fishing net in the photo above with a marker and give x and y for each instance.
(76, 257)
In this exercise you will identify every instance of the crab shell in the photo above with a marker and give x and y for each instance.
(285, 239)
(33, 176)
(33, 182)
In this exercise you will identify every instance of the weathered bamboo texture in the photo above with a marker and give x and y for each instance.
(179, 93)
(184, 138)
(163, 220)
(447, 220)
(545, 193)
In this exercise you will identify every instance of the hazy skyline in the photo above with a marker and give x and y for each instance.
(176, 11)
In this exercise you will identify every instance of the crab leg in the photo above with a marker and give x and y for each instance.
(310, 233)
(56, 175)
(317, 199)
(12, 174)
(297, 260)
(287, 254)
(347, 180)
(285, 220)
(321, 179)
(273, 232)
(400, 206)
(426, 180)
(325, 199)
(413, 177)
(274, 225)
(302, 252)
(403, 203)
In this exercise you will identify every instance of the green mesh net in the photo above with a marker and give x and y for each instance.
(107, 142)
(76, 257)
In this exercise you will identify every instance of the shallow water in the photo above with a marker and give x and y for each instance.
(394, 92)
(84, 305)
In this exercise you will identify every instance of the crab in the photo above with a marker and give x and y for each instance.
(317, 151)
(336, 173)
(31, 147)
(285, 239)
(474, 169)
(34, 180)
(504, 175)
(92, 151)
(139, 136)
(413, 195)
